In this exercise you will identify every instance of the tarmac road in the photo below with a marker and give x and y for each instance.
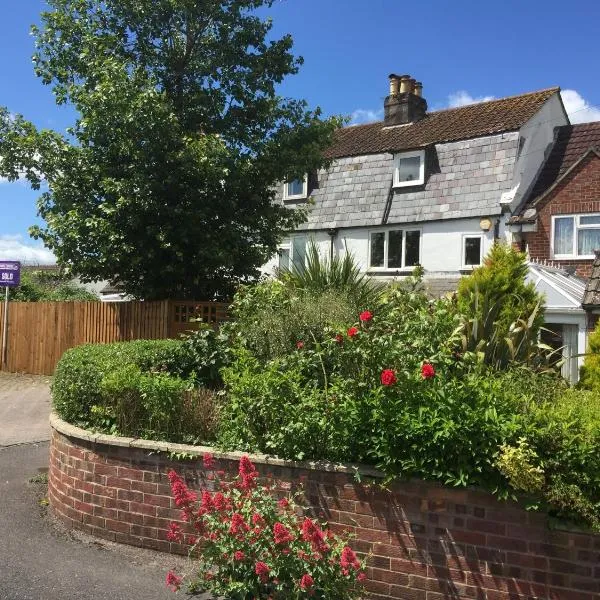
(39, 559)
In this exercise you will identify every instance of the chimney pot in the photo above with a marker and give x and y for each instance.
(405, 87)
(419, 89)
(394, 85)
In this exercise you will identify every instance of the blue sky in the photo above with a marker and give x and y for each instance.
(462, 51)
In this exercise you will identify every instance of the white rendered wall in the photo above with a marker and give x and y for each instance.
(441, 245)
(539, 135)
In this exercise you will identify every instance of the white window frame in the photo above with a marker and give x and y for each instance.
(576, 227)
(404, 230)
(413, 182)
(289, 246)
(465, 237)
(301, 196)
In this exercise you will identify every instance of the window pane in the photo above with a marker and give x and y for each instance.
(395, 250)
(409, 169)
(295, 188)
(377, 247)
(588, 240)
(472, 251)
(284, 258)
(299, 252)
(563, 235)
(413, 249)
(590, 220)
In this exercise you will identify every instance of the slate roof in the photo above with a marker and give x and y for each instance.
(591, 298)
(572, 143)
(463, 179)
(450, 125)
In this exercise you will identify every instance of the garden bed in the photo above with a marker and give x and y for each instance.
(424, 540)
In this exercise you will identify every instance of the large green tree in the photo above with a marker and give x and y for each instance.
(166, 180)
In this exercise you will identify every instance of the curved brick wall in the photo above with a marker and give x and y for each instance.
(427, 542)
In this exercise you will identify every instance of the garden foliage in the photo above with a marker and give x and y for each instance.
(503, 314)
(142, 389)
(590, 371)
(249, 546)
(39, 285)
(309, 371)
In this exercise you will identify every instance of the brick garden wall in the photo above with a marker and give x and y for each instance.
(427, 542)
(577, 193)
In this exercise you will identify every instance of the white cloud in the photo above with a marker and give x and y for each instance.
(360, 116)
(12, 247)
(462, 98)
(578, 108)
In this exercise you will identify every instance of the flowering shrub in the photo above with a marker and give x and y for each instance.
(249, 546)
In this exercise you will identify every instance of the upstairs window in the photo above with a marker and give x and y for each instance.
(575, 236)
(394, 249)
(409, 168)
(296, 189)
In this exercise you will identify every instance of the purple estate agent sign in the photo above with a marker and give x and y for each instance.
(10, 273)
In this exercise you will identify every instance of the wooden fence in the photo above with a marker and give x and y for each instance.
(39, 332)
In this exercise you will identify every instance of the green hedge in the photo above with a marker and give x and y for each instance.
(144, 389)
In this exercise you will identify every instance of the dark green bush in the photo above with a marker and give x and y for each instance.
(204, 353)
(141, 389)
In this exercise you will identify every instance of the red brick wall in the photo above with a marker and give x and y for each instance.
(427, 542)
(578, 193)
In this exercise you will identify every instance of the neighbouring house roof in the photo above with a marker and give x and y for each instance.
(591, 298)
(562, 290)
(111, 288)
(463, 179)
(573, 143)
(450, 125)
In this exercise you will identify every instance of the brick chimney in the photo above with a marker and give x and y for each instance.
(405, 103)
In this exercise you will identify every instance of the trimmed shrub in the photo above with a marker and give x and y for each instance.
(144, 388)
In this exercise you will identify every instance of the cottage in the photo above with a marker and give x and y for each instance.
(429, 188)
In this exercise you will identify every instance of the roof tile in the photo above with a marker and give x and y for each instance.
(450, 125)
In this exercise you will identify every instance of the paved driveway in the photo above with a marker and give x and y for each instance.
(24, 409)
(39, 560)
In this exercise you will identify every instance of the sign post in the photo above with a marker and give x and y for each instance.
(10, 276)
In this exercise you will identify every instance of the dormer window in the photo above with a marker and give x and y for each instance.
(296, 189)
(409, 168)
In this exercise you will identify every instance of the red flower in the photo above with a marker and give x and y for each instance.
(262, 570)
(388, 377)
(312, 533)
(349, 559)
(281, 534)
(174, 534)
(339, 338)
(248, 473)
(239, 555)
(365, 316)
(209, 460)
(283, 503)
(300, 345)
(184, 499)
(427, 371)
(173, 581)
(306, 582)
(238, 524)
(361, 576)
(219, 501)
(352, 331)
